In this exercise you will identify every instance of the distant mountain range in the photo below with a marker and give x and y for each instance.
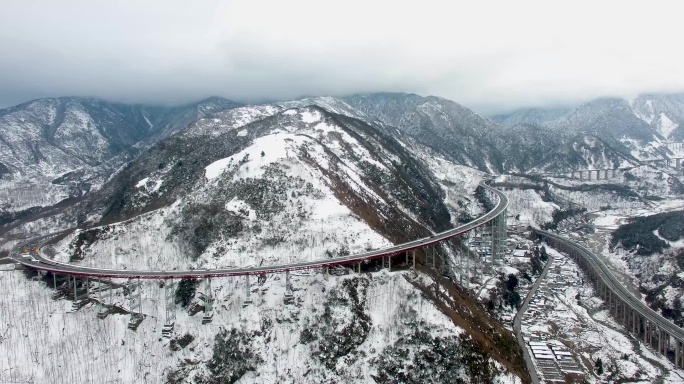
(69, 146)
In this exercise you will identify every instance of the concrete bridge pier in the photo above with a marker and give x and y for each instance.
(135, 298)
(75, 291)
(581, 175)
(208, 302)
(102, 308)
(248, 299)
(634, 328)
(289, 297)
(169, 302)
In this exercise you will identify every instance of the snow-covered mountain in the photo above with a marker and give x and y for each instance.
(220, 185)
(373, 173)
(529, 148)
(587, 138)
(534, 116)
(636, 129)
(447, 127)
(664, 112)
(260, 185)
(48, 145)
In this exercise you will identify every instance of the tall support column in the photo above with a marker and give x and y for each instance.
(610, 301)
(426, 252)
(169, 302)
(248, 299)
(75, 293)
(598, 174)
(208, 302)
(468, 254)
(492, 242)
(54, 281)
(111, 289)
(389, 263)
(659, 332)
(434, 254)
(677, 355)
(503, 233)
(87, 287)
(102, 308)
(459, 260)
(135, 297)
(413, 257)
(581, 175)
(634, 324)
(288, 284)
(589, 175)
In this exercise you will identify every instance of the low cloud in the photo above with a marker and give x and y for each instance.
(490, 56)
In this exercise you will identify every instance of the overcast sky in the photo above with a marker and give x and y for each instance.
(487, 55)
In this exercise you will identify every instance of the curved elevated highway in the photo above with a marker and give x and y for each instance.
(637, 317)
(36, 261)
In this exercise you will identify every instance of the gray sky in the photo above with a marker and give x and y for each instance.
(487, 55)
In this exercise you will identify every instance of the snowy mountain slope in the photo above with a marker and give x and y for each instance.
(466, 138)
(610, 119)
(637, 129)
(528, 148)
(330, 104)
(297, 184)
(339, 330)
(664, 112)
(534, 116)
(445, 126)
(250, 183)
(80, 140)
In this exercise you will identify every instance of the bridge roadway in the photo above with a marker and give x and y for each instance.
(645, 322)
(38, 262)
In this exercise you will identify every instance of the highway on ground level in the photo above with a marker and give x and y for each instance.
(36, 261)
(614, 285)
